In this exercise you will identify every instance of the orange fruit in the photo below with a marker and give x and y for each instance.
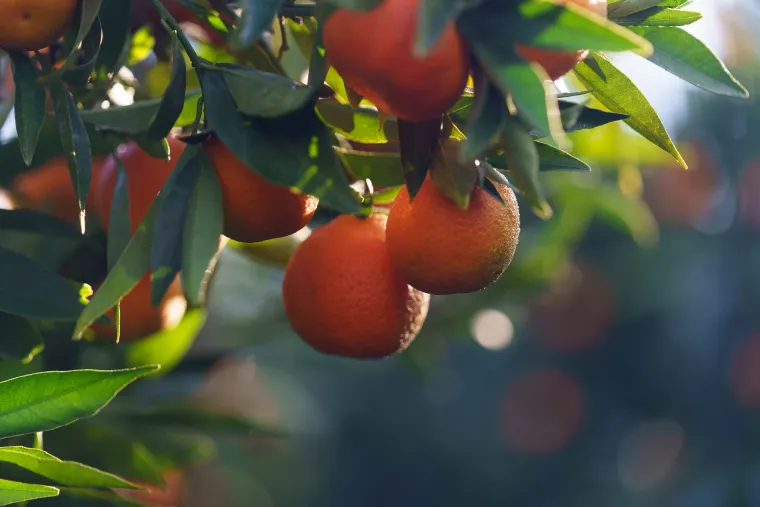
(27, 25)
(373, 52)
(343, 296)
(440, 248)
(558, 63)
(255, 209)
(139, 318)
(48, 188)
(145, 177)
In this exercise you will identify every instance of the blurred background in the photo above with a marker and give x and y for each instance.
(616, 363)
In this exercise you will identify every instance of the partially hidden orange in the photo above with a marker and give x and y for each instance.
(48, 188)
(256, 209)
(558, 63)
(27, 25)
(441, 249)
(343, 296)
(374, 54)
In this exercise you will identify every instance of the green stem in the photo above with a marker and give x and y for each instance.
(169, 19)
(38, 440)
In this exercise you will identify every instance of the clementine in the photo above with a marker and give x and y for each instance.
(27, 25)
(139, 318)
(255, 209)
(559, 63)
(343, 296)
(373, 52)
(442, 249)
(145, 177)
(48, 188)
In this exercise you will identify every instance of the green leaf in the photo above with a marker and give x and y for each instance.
(87, 16)
(30, 103)
(620, 95)
(75, 141)
(580, 117)
(523, 162)
(166, 249)
(361, 124)
(256, 17)
(35, 222)
(554, 159)
(660, 16)
(133, 263)
(685, 56)
(487, 120)
(16, 492)
(434, 16)
(295, 150)
(169, 346)
(48, 400)
(136, 118)
(120, 227)
(21, 340)
(263, 94)
(29, 290)
(418, 142)
(173, 100)
(114, 21)
(383, 169)
(202, 229)
(623, 8)
(64, 473)
(361, 5)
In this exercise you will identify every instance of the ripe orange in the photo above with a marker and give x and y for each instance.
(559, 63)
(139, 318)
(27, 25)
(145, 177)
(343, 296)
(440, 248)
(373, 52)
(256, 209)
(48, 188)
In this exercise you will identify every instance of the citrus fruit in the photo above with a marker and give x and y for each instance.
(373, 52)
(558, 63)
(48, 188)
(441, 248)
(139, 318)
(27, 25)
(255, 209)
(145, 177)
(343, 296)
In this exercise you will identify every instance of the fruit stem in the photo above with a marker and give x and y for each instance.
(188, 47)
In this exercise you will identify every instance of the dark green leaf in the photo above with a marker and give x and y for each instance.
(166, 249)
(362, 5)
(173, 100)
(660, 16)
(418, 142)
(114, 21)
(623, 8)
(30, 103)
(29, 290)
(201, 232)
(75, 141)
(486, 121)
(120, 227)
(256, 17)
(21, 340)
(524, 164)
(48, 400)
(34, 222)
(433, 18)
(263, 94)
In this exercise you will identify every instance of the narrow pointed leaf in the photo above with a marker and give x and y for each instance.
(620, 95)
(173, 100)
(12, 492)
(48, 400)
(30, 104)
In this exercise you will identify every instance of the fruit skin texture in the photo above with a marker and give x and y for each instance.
(372, 51)
(139, 318)
(559, 63)
(145, 177)
(441, 249)
(343, 296)
(256, 209)
(48, 188)
(27, 25)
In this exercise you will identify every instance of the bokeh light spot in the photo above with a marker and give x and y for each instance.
(492, 329)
